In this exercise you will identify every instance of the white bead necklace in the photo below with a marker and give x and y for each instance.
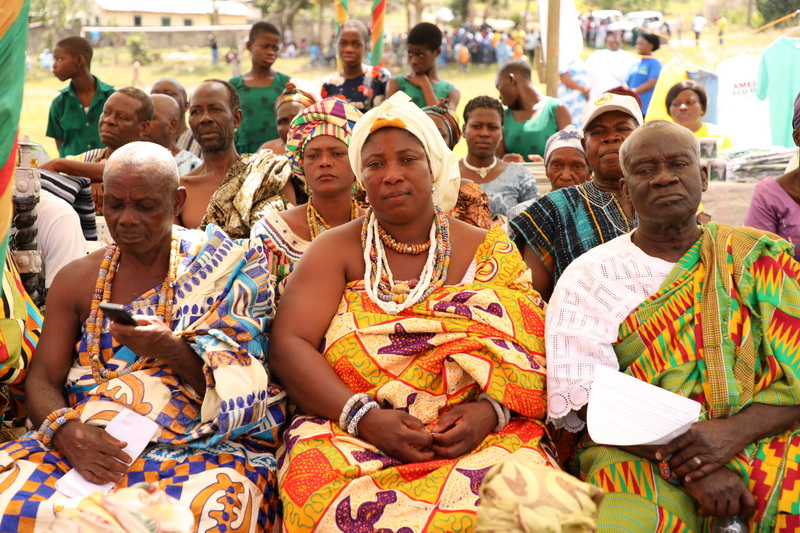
(425, 278)
(482, 171)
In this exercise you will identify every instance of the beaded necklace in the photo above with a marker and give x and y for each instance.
(317, 224)
(395, 296)
(102, 293)
(401, 247)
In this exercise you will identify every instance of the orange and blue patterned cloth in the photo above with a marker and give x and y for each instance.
(214, 454)
(724, 330)
(483, 336)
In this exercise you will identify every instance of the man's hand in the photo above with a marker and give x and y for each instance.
(722, 493)
(712, 442)
(91, 451)
(151, 338)
(52, 165)
(397, 434)
(463, 428)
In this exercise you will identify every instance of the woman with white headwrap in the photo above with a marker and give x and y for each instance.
(422, 363)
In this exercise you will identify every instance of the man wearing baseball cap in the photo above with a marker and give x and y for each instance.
(564, 224)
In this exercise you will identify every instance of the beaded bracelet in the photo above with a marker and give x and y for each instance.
(666, 472)
(56, 419)
(356, 402)
(503, 413)
(352, 427)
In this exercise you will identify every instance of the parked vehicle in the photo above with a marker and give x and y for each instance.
(651, 20)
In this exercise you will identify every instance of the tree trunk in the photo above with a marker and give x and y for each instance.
(470, 11)
(290, 13)
(419, 6)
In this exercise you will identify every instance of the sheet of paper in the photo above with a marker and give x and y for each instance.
(128, 426)
(624, 411)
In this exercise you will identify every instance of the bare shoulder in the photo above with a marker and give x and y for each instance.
(466, 234)
(295, 218)
(339, 250)
(74, 284)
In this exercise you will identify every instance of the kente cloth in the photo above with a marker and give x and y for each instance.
(20, 327)
(724, 330)
(483, 336)
(252, 185)
(282, 244)
(399, 112)
(521, 498)
(143, 508)
(331, 116)
(292, 93)
(214, 454)
(565, 223)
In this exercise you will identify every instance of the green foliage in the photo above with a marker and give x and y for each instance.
(56, 15)
(775, 9)
(139, 48)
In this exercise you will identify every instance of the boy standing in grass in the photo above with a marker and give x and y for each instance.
(75, 112)
(423, 84)
(258, 89)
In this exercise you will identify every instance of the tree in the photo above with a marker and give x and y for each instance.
(285, 9)
(57, 15)
(775, 9)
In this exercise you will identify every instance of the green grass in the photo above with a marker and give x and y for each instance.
(191, 67)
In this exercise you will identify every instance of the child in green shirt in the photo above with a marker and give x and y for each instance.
(259, 88)
(423, 84)
(75, 112)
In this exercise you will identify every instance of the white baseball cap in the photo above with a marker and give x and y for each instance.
(611, 102)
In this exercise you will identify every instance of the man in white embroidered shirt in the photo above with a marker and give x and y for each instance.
(710, 313)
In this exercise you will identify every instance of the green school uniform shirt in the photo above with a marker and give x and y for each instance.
(76, 127)
(530, 137)
(441, 89)
(258, 113)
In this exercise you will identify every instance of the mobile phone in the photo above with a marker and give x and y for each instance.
(118, 313)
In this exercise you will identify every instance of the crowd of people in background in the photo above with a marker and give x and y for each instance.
(342, 323)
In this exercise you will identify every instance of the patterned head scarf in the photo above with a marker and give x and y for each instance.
(569, 137)
(400, 112)
(292, 94)
(443, 111)
(331, 116)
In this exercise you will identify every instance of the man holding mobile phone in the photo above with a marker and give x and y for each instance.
(193, 360)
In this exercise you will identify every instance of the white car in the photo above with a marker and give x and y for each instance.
(651, 20)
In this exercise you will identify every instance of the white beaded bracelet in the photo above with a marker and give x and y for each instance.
(346, 416)
(352, 428)
(503, 413)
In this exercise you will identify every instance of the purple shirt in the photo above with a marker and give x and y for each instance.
(772, 209)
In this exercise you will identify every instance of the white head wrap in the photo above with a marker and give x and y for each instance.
(399, 111)
(569, 137)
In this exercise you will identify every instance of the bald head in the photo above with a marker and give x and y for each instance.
(164, 126)
(659, 129)
(151, 162)
(172, 87)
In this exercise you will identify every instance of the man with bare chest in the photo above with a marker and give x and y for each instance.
(214, 114)
(227, 182)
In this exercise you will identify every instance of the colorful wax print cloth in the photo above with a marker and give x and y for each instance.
(282, 244)
(484, 336)
(20, 327)
(565, 223)
(722, 330)
(214, 454)
(252, 186)
(365, 91)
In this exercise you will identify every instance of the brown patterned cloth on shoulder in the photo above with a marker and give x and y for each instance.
(252, 185)
(472, 206)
